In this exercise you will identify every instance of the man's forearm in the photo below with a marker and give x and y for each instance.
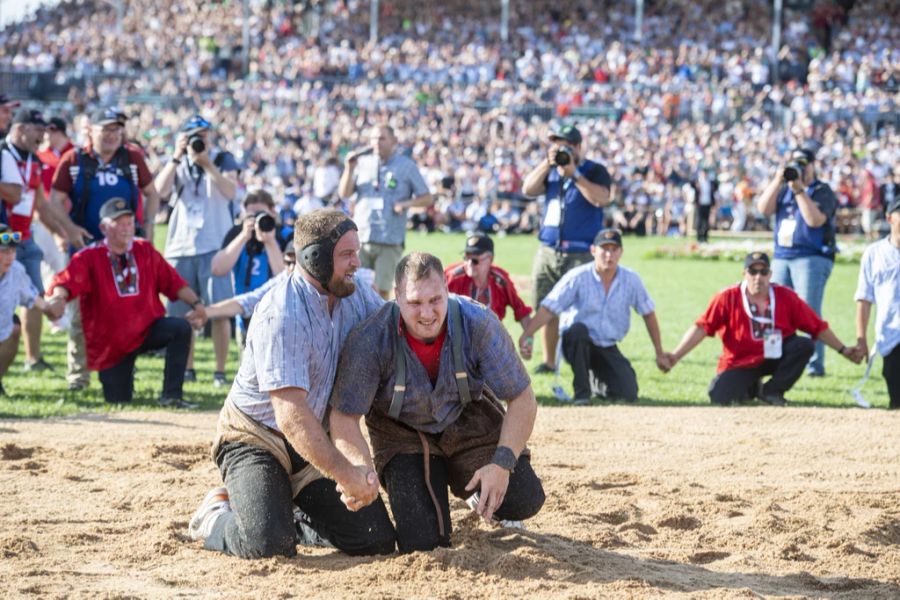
(519, 421)
(345, 185)
(653, 331)
(304, 432)
(596, 194)
(348, 438)
(226, 186)
(809, 211)
(863, 311)
(11, 193)
(766, 201)
(224, 309)
(187, 295)
(533, 185)
(542, 317)
(166, 178)
(689, 341)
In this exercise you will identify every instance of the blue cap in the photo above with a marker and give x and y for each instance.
(194, 123)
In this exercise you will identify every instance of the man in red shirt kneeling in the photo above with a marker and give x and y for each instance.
(758, 322)
(118, 282)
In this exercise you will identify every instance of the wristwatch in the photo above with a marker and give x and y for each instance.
(196, 302)
(576, 176)
(504, 458)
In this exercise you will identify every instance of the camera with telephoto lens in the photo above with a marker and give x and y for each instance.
(792, 171)
(563, 156)
(265, 222)
(196, 143)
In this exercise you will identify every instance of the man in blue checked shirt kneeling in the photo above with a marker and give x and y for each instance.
(594, 303)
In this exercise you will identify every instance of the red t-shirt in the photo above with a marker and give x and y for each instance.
(727, 317)
(116, 320)
(20, 214)
(428, 354)
(502, 290)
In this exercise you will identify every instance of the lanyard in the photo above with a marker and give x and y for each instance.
(26, 174)
(762, 320)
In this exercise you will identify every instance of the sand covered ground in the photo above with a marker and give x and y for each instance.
(642, 502)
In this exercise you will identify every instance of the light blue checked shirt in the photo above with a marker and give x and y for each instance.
(294, 342)
(579, 297)
(15, 289)
(879, 283)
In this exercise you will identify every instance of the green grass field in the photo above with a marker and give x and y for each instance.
(681, 289)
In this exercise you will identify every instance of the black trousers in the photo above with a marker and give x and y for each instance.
(702, 222)
(416, 515)
(607, 364)
(261, 521)
(166, 332)
(736, 385)
(891, 372)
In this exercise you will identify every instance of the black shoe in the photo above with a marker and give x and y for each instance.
(177, 403)
(2, 390)
(219, 379)
(543, 369)
(37, 366)
(773, 399)
(582, 402)
(190, 375)
(77, 386)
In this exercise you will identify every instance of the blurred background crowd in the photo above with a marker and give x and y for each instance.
(699, 91)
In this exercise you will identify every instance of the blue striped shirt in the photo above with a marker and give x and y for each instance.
(579, 297)
(879, 284)
(294, 342)
(15, 289)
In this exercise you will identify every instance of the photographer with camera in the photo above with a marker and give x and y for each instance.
(202, 182)
(804, 210)
(252, 250)
(575, 191)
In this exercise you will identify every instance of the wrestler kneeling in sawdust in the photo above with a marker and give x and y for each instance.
(427, 371)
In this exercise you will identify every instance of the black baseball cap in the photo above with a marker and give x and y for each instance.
(5, 101)
(756, 258)
(57, 124)
(115, 208)
(567, 133)
(803, 156)
(608, 236)
(29, 116)
(479, 243)
(107, 116)
(893, 205)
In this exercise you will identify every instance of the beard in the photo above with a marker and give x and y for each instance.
(340, 287)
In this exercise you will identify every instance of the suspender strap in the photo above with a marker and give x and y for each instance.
(462, 378)
(399, 366)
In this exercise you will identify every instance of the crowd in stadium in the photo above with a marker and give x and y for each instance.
(466, 106)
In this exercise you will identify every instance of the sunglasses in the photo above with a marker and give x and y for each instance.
(10, 237)
(290, 263)
(473, 259)
(760, 271)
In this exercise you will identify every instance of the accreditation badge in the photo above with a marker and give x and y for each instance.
(785, 233)
(772, 344)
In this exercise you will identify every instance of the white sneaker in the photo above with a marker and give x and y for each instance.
(472, 501)
(214, 505)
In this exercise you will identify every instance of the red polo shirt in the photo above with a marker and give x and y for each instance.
(21, 214)
(117, 321)
(502, 290)
(726, 317)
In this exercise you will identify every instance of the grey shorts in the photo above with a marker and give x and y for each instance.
(197, 272)
(549, 267)
(30, 255)
(383, 259)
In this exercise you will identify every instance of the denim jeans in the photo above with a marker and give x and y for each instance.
(807, 276)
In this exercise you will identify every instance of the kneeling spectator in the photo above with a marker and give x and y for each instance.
(16, 289)
(118, 282)
(758, 322)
